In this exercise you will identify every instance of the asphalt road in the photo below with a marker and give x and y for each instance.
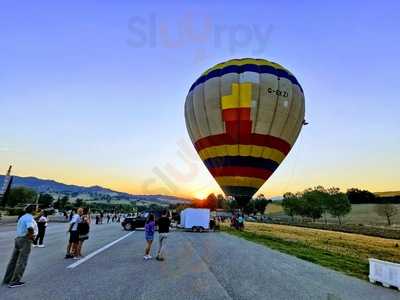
(198, 266)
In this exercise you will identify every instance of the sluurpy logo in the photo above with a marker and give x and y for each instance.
(198, 32)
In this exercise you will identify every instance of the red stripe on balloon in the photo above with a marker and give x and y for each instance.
(235, 139)
(236, 114)
(241, 171)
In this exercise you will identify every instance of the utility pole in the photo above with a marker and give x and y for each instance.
(6, 185)
(37, 202)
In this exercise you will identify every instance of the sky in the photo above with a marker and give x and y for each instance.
(92, 92)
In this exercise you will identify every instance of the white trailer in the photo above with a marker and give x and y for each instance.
(196, 219)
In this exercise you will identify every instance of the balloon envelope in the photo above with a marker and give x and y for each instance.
(243, 117)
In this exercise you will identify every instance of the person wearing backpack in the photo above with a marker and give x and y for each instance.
(83, 230)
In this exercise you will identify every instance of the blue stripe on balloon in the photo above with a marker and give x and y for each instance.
(241, 161)
(239, 191)
(246, 68)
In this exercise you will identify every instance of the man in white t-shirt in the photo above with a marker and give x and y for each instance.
(73, 234)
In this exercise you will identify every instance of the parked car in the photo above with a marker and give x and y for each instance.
(131, 223)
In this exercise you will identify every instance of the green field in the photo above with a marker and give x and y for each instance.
(360, 214)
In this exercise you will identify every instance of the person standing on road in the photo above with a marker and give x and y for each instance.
(22, 248)
(83, 230)
(234, 221)
(149, 235)
(73, 234)
(163, 229)
(42, 224)
(241, 222)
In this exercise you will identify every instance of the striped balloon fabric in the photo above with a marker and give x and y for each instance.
(243, 117)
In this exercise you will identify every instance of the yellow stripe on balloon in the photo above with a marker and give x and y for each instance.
(246, 61)
(232, 100)
(240, 97)
(245, 95)
(231, 150)
(239, 181)
(242, 150)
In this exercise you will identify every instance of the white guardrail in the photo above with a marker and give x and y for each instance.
(385, 272)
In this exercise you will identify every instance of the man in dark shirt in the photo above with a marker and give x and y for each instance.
(163, 229)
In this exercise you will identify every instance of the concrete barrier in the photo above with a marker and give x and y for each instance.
(9, 220)
(385, 272)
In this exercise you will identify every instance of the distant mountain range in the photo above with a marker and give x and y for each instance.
(92, 192)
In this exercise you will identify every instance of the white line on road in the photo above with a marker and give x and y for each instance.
(81, 261)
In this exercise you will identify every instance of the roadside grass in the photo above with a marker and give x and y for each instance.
(343, 252)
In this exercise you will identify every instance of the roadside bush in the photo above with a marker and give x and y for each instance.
(291, 205)
(20, 195)
(14, 211)
(339, 206)
(312, 204)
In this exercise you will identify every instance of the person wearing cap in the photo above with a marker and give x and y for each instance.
(26, 228)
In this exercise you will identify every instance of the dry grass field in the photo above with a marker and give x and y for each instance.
(274, 208)
(344, 252)
(354, 245)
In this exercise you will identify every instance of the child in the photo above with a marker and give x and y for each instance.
(149, 234)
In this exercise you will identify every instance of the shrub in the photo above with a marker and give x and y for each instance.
(14, 211)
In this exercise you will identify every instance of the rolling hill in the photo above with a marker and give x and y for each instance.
(93, 192)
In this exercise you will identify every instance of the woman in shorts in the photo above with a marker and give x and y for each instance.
(149, 229)
(83, 230)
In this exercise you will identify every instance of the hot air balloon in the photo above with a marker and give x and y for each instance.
(243, 117)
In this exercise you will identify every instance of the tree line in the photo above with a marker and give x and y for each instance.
(316, 203)
(19, 197)
(358, 196)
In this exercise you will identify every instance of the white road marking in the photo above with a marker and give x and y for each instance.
(81, 261)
